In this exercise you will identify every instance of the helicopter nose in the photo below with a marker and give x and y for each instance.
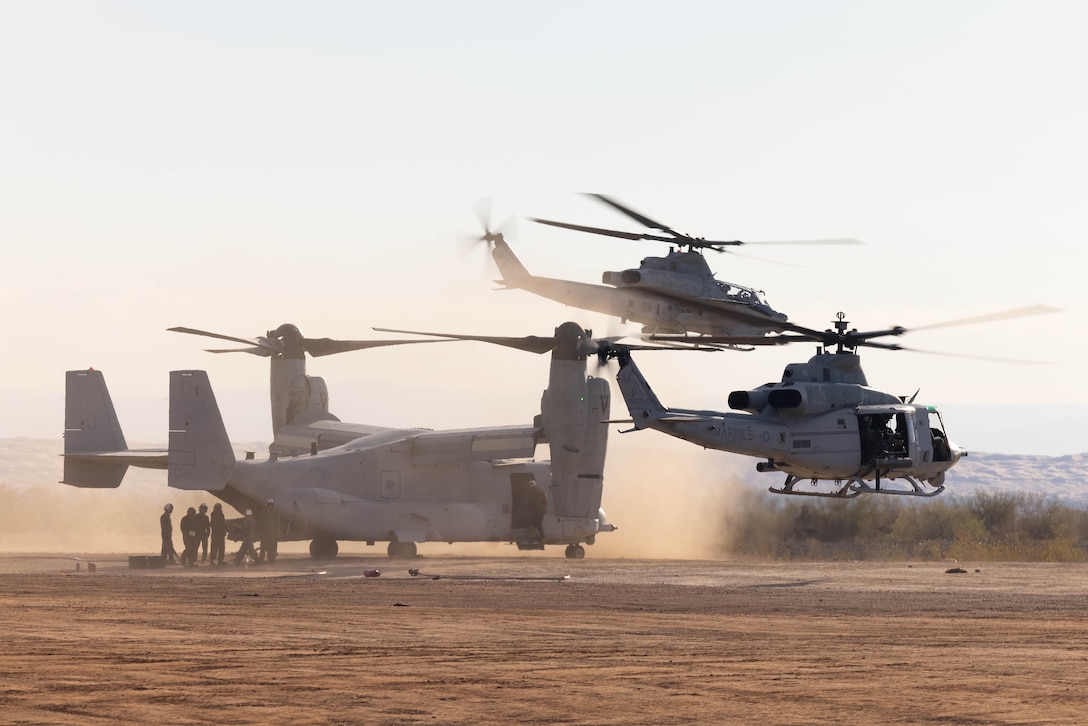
(957, 452)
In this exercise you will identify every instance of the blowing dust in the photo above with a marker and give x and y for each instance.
(669, 500)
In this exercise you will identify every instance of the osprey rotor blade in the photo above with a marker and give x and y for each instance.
(318, 347)
(530, 343)
(260, 346)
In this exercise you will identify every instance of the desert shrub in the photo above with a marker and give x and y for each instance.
(985, 526)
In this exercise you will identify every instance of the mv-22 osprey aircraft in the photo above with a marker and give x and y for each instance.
(674, 294)
(329, 480)
(821, 422)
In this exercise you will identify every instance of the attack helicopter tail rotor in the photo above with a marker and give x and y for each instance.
(490, 235)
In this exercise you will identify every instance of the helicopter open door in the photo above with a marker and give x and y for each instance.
(902, 436)
(889, 436)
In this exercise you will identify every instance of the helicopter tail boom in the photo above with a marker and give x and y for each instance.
(642, 403)
(514, 273)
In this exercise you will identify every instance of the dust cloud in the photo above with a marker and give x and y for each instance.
(670, 500)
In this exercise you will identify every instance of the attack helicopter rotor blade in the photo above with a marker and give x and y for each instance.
(599, 230)
(482, 209)
(640, 218)
(710, 341)
(530, 343)
(318, 347)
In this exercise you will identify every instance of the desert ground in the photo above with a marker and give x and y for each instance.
(537, 640)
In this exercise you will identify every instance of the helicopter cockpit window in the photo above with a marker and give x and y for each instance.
(942, 450)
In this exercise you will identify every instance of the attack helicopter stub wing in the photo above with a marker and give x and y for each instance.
(95, 452)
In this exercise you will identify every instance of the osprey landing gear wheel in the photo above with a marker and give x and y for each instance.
(323, 548)
(402, 550)
(575, 552)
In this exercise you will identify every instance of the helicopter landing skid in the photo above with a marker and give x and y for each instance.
(855, 487)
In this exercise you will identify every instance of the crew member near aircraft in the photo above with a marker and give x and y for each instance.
(218, 525)
(538, 506)
(249, 533)
(189, 537)
(270, 532)
(203, 530)
(167, 527)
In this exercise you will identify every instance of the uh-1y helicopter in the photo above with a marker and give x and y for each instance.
(821, 422)
(328, 480)
(674, 294)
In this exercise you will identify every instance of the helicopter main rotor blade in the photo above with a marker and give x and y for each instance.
(991, 317)
(599, 230)
(318, 347)
(689, 240)
(832, 241)
(640, 218)
(717, 340)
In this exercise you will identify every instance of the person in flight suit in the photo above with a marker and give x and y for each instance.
(249, 533)
(538, 506)
(189, 537)
(167, 527)
(218, 525)
(270, 532)
(203, 529)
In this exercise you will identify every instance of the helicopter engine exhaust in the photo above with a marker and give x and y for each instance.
(786, 398)
(751, 401)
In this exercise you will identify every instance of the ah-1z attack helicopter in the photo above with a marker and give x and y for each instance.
(675, 294)
(821, 422)
(330, 480)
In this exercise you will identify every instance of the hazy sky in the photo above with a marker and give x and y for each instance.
(235, 165)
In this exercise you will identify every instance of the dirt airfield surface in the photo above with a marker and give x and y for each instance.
(540, 640)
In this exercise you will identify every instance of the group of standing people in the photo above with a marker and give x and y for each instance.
(198, 528)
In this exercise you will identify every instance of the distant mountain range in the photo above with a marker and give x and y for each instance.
(1063, 478)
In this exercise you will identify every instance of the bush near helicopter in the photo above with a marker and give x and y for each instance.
(675, 294)
(329, 480)
(821, 422)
